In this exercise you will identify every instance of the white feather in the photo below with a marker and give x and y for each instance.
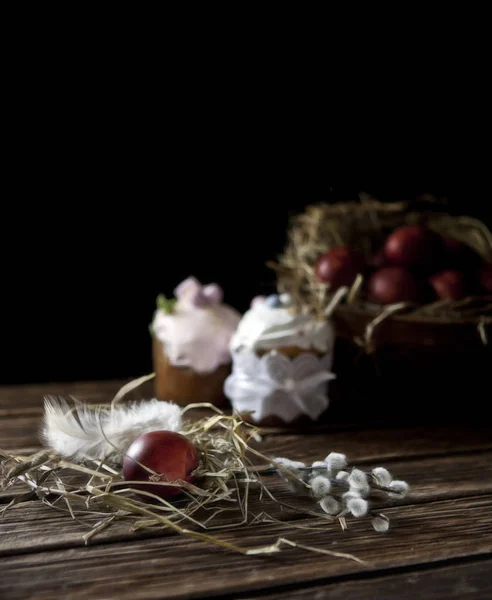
(83, 431)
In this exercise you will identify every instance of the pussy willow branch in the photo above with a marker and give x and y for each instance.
(340, 482)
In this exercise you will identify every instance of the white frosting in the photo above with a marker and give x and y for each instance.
(197, 337)
(275, 385)
(265, 328)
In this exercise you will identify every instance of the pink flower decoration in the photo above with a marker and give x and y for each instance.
(190, 291)
(213, 293)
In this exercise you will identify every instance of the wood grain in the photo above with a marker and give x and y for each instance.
(20, 399)
(466, 582)
(439, 546)
(21, 434)
(367, 445)
(27, 401)
(174, 567)
(35, 526)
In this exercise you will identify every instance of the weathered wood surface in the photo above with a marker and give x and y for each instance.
(362, 447)
(464, 581)
(22, 434)
(439, 546)
(435, 479)
(28, 399)
(174, 567)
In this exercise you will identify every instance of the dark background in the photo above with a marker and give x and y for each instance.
(132, 163)
(120, 181)
(102, 237)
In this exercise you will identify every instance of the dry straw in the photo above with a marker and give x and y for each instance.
(230, 490)
(221, 499)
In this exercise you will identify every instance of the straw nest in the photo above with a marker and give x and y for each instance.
(364, 226)
(230, 490)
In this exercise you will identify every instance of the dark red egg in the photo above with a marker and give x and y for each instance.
(338, 267)
(485, 278)
(394, 284)
(449, 285)
(414, 246)
(172, 456)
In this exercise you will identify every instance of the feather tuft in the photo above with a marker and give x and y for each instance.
(82, 431)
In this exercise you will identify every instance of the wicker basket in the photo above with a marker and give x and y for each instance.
(401, 356)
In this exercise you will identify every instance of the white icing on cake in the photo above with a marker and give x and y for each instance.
(274, 384)
(198, 331)
(264, 328)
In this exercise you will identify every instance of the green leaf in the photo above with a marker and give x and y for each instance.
(167, 306)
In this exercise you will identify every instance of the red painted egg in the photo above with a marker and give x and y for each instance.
(448, 285)
(171, 455)
(339, 267)
(414, 246)
(394, 284)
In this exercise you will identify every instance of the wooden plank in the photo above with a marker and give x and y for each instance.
(17, 398)
(382, 444)
(457, 582)
(451, 464)
(175, 567)
(25, 401)
(22, 435)
(463, 474)
(35, 526)
(430, 478)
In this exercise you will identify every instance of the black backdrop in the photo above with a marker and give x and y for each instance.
(126, 168)
(91, 238)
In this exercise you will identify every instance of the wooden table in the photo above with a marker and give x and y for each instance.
(439, 545)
